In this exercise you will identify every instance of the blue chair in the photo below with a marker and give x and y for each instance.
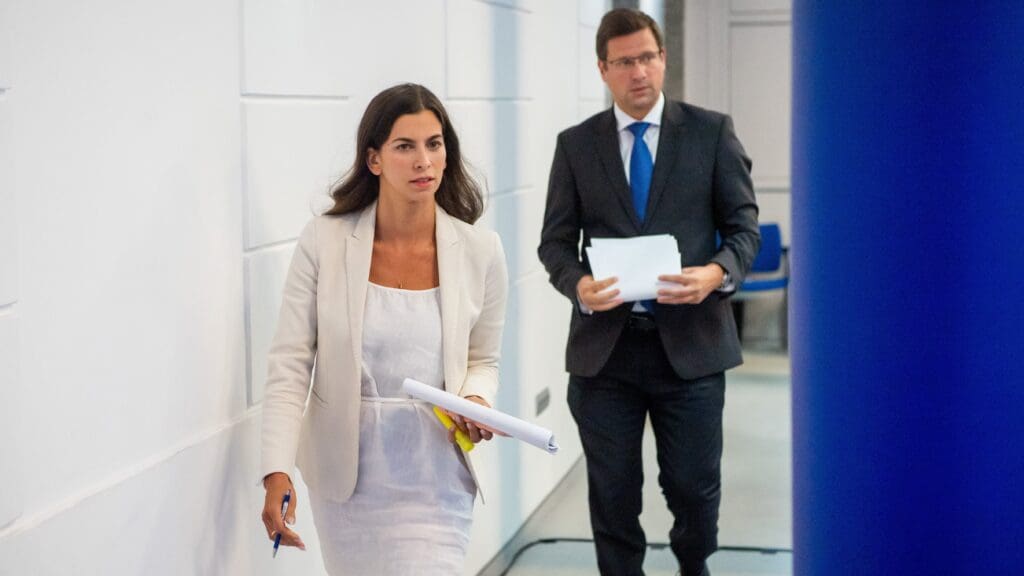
(768, 275)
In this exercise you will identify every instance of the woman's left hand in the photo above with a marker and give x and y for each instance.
(473, 429)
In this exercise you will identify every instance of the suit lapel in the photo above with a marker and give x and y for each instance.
(449, 271)
(358, 254)
(670, 134)
(611, 159)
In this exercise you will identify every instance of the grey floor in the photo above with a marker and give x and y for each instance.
(756, 498)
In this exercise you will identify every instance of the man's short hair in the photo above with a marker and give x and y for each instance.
(623, 22)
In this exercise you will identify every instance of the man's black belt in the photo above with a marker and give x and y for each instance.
(641, 322)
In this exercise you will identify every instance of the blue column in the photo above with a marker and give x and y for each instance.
(908, 288)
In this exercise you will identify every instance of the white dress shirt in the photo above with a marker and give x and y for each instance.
(626, 137)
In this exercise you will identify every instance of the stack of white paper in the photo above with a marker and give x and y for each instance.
(636, 262)
(514, 427)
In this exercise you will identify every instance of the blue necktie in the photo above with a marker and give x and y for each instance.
(641, 166)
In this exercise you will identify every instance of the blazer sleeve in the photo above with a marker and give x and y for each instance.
(734, 205)
(485, 336)
(559, 248)
(290, 360)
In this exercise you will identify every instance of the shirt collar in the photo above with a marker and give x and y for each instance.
(653, 117)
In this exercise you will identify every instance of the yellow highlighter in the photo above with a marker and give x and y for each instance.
(460, 437)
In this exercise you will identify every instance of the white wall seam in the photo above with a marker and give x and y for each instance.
(30, 521)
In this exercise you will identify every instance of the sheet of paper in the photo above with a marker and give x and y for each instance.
(514, 427)
(636, 261)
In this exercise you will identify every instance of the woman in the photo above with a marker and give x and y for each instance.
(392, 282)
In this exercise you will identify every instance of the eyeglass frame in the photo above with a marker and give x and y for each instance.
(627, 62)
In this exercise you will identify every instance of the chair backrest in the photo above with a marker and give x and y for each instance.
(769, 258)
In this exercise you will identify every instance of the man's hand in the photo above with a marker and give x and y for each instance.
(596, 295)
(694, 284)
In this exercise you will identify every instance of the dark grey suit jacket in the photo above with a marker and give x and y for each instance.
(701, 184)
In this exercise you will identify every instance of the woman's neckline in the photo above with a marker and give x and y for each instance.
(425, 290)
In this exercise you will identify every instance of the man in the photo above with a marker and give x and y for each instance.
(650, 166)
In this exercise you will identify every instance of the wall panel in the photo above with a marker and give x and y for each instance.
(395, 41)
(590, 107)
(524, 5)
(294, 151)
(591, 85)
(489, 51)
(760, 98)
(11, 413)
(129, 299)
(8, 210)
(493, 136)
(738, 61)
(517, 217)
(265, 274)
(297, 47)
(193, 513)
(775, 207)
(591, 11)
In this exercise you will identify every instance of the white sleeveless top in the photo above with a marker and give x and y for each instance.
(401, 339)
(412, 508)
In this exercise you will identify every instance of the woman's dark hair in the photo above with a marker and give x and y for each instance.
(459, 194)
(623, 22)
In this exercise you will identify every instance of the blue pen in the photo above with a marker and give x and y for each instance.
(284, 510)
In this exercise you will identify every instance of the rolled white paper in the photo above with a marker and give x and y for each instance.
(514, 427)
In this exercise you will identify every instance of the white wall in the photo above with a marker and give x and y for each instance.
(10, 506)
(156, 163)
(738, 60)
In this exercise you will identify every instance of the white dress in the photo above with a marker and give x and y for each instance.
(412, 507)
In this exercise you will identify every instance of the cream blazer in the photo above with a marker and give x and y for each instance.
(321, 325)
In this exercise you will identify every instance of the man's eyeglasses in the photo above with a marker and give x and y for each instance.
(627, 63)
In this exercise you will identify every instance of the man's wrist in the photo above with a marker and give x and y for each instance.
(583, 308)
(726, 284)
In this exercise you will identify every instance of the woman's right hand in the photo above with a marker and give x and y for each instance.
(277, 484)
